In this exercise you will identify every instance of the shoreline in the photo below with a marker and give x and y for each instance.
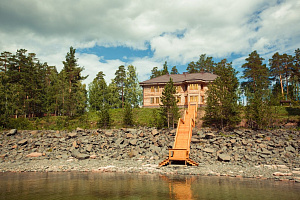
(263, 172)
(241, 154)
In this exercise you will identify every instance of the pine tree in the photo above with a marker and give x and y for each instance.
(98, 92)
(192, 68)
(168, 109)
(120, 78)
(155, 73)
(257, 93)
(174, 70)
(205, 64)
(128, 115)
(222, 110)
(104, 117)
(113, 96)
(296, 75)
(74, 98)
(165, 69)
(132, 90)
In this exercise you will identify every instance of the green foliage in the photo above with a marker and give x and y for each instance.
(74, 93)
(104, 118)
(20, 123)
(165, 69)
(204, 64)
(222, 110)
(156, 119)
(168, 109)
(128, 115)
(155, 73)
(132, 90)
(98, 92)
(119, 80)
(256, 90)
(174, 70)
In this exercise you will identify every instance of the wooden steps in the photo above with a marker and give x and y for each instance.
(181, 147)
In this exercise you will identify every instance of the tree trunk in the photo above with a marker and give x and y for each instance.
(281, 85)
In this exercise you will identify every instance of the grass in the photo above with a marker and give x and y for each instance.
(141, 117)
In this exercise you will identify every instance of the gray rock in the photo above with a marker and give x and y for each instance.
(209, 136)
(12, 132)
(266, 152)
(22, 142)
(79, 129)
(82, 156)
(133, 142)
(290, 149)
(109, 133)
(224, 157)
(154, 132)
(89, 148)
(209, 150)
(72, 135)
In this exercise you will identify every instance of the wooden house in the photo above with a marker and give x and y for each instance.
(189, 87)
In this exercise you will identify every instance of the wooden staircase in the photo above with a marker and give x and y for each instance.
(181, 147)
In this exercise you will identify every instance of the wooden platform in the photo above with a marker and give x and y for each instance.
(181, 147)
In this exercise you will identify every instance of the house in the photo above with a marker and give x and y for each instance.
(190, 88)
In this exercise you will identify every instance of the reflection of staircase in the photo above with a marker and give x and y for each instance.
(181, 148)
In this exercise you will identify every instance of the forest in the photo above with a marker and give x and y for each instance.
(31, 90)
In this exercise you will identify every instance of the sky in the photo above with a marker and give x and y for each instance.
(146, 33)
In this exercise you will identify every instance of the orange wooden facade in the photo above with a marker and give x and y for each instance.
(186, 93)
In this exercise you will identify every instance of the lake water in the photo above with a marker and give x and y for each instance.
(89, 185)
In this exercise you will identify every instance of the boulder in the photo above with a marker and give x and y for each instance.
(209, 150)
(72, 135)
(154, 132)
(12, 132)
(109, 133)
(209, 136)
(79, 129)
(266, 152)
(82, 156)
(89, 148)
(224, 157)
(22, 142)
(34, 154)
(290, 149)
(133, 142)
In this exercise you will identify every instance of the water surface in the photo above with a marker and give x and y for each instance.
(89, 185)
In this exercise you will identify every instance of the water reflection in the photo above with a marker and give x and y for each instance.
(180, 188)
(87, 185)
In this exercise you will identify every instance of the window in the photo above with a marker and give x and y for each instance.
(152, 100)
(193, 86)
(178, 88)
(157, 89)
(202, 86)
(179, 99)
(157, 100)
(152, 88)
(194, 98)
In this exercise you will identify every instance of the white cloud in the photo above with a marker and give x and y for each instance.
(94, 64)
(177, 31)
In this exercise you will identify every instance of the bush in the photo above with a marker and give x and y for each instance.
(19, 123)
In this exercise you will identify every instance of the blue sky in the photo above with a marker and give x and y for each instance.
(146, 33)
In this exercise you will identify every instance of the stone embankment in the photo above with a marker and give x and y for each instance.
(241, 153)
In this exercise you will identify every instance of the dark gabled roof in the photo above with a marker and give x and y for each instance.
(181, 78)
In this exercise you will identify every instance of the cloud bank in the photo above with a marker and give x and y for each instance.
(173, 30)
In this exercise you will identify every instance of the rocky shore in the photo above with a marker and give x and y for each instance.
(241, 153)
